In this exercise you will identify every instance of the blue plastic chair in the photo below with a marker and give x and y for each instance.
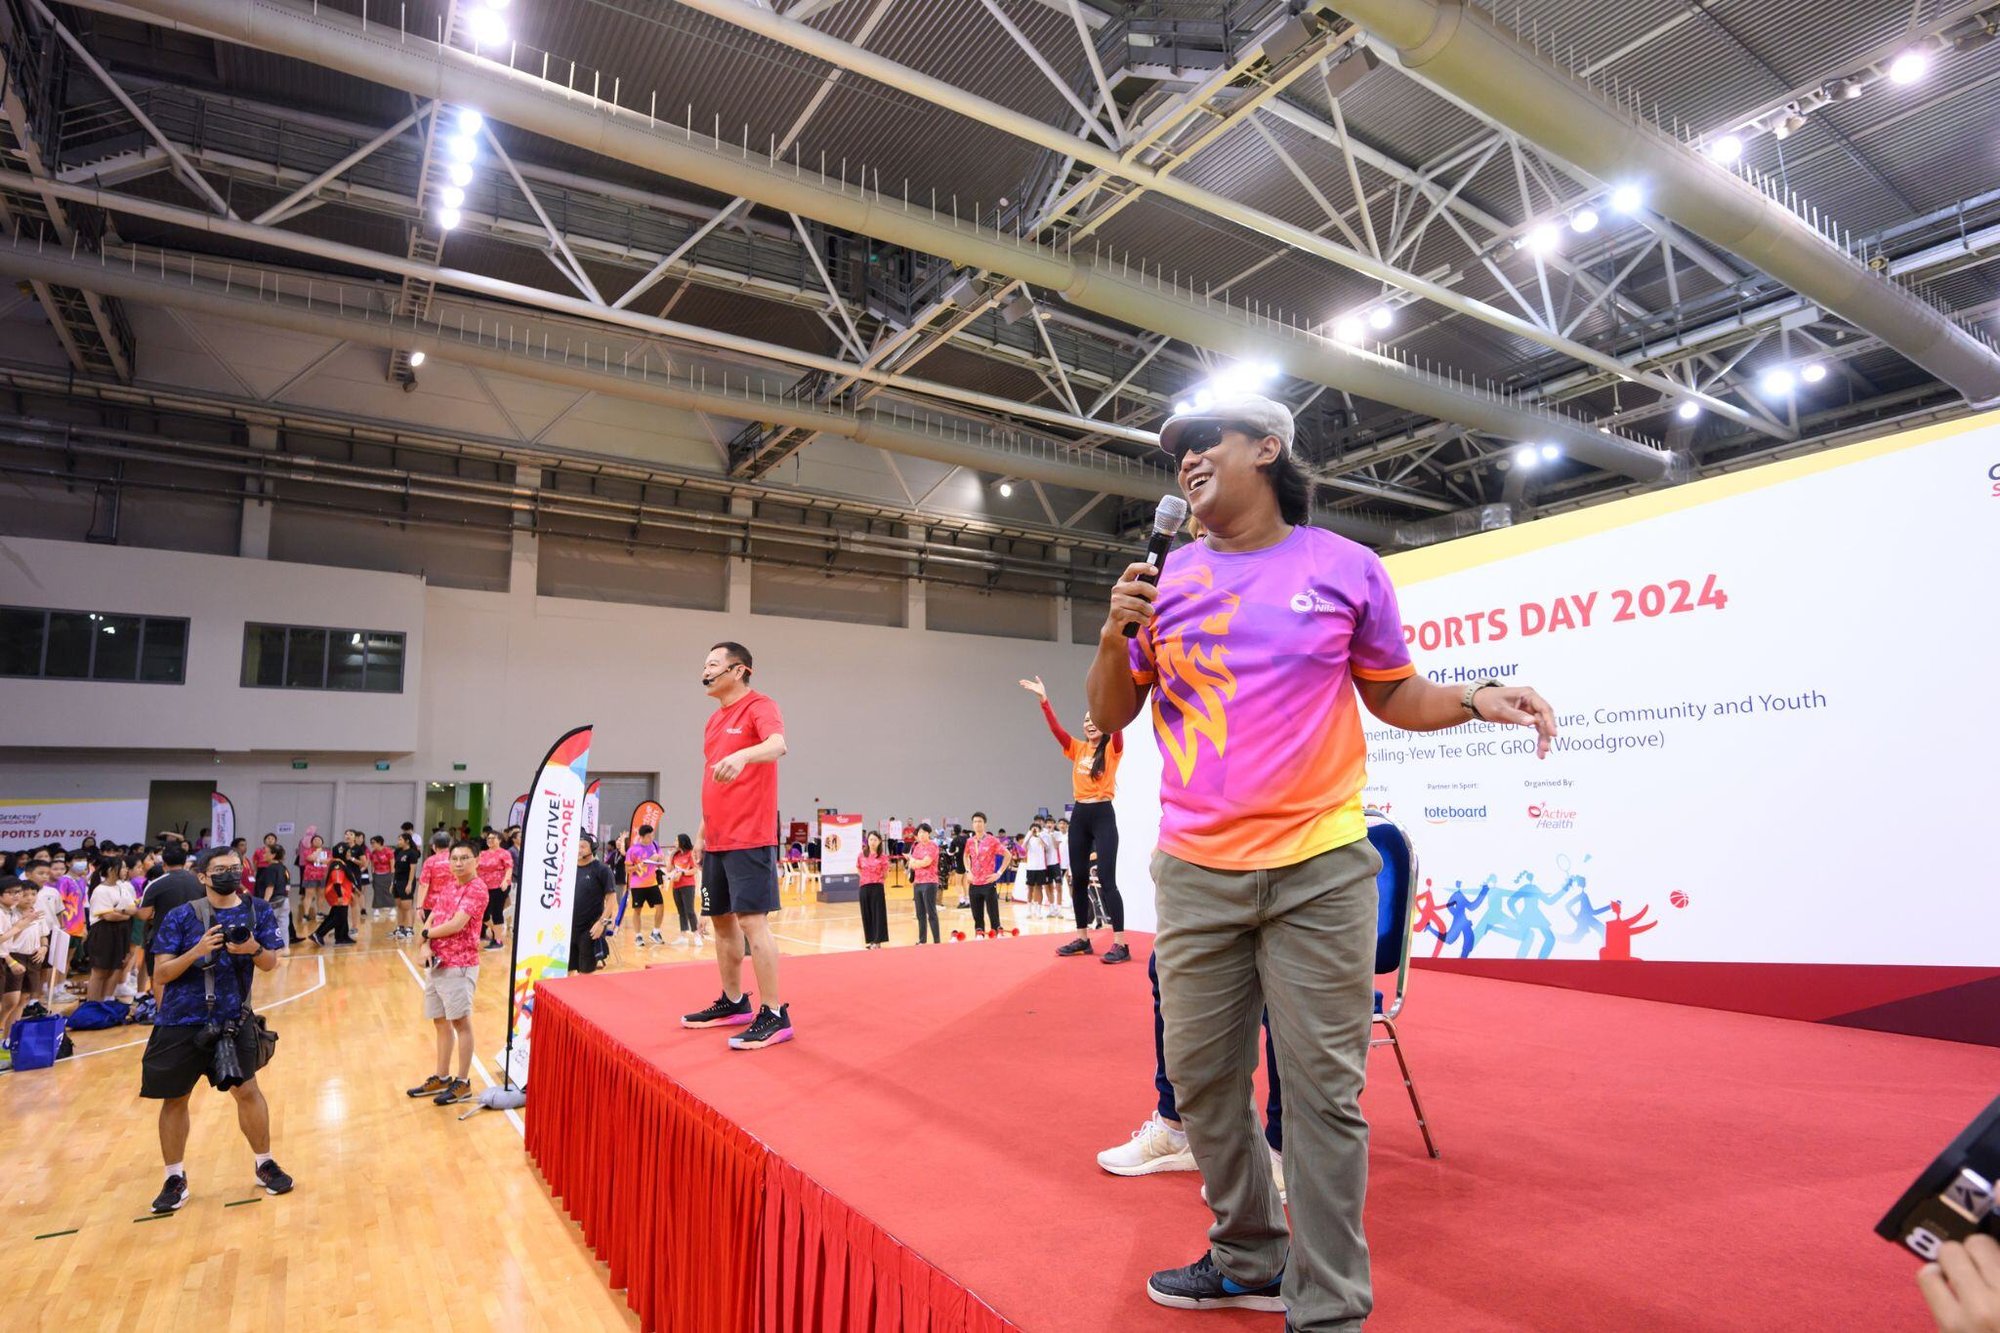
(1396, 886)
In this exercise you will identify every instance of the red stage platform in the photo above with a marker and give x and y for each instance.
(921, 1157)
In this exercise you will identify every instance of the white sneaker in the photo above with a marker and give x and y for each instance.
(658, 939)
(640, 941)
(1154, 1146)
(126, 994)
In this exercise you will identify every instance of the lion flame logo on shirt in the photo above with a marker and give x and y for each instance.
(1203, 670)
(1552, 817)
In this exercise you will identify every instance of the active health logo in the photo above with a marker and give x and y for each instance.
(1552, 817)
(1453, 814)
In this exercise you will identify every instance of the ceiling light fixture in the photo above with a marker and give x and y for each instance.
(1627, 199)
(1183, 407)
(462, 147)
(1542, 238)
(1688, 410)
(1778, 383)
(448, 219)
(1348, 329)
(1381, 318)
(1006, 490)
(459, 174)
(1526, 456)
(469, 121)
(1726, 150)
(1551, 452)
(487, 28)
(452, 196)
(1812, 373)
(1788, 125)
(1584, 221)
(416, 359)
(1909, 67)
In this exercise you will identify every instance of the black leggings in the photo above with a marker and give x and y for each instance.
(1093, 826)
(684, 912)
(927, 913)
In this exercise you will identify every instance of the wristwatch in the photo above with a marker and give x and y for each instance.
(1465, 700)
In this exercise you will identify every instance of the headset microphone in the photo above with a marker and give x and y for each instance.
(1167, 520)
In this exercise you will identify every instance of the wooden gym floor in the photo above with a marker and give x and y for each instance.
(403, 1216)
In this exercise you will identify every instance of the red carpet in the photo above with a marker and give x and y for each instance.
(921, 1157)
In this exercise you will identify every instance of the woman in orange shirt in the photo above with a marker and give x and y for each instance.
(1093, 826)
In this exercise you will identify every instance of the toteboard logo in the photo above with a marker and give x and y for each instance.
(1307, 602)
(1451, 814)
(1552, 817)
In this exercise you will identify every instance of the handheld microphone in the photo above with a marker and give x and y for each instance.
(1167, 520)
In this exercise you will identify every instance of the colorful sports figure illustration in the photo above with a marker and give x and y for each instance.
(1525, 907)
(1618, 933)
(1427, 915)
(1461, 927)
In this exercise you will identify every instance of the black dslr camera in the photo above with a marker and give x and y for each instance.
(238, 933)
(1953, 1198)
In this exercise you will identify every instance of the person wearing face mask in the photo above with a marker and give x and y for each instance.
(1264, 631)
(208, 954)
(738, 843)
(53, 901)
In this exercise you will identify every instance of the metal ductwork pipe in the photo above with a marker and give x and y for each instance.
(427, 70)
(1460, 51)
(557, 303)
(188, 292)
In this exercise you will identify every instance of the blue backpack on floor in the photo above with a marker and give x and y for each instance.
(92, 1015)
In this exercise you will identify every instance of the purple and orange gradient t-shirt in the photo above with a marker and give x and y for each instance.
(1251, 661)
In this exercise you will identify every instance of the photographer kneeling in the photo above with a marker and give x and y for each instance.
(207, 953)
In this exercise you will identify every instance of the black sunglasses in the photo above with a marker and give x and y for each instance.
(1201, 436)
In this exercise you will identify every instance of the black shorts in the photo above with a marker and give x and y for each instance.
(648, 897)
(106, 945)
(175, 1060)
(1037, 878)
(403, 893)
(742, 881)
(496, 909)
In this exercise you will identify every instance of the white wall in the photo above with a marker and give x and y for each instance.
(216, 594)
(880, 720)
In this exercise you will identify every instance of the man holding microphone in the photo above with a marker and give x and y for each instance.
(1254, 645)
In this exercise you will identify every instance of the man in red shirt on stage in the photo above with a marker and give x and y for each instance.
(739, 849)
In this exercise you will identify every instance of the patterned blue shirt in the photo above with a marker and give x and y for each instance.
(185, 1002)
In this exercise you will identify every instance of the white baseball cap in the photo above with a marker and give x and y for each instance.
(1255, 414)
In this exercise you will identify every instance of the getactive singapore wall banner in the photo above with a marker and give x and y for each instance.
(1775, 750)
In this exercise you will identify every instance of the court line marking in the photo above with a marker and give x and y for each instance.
(477, 1066)
(141, 1041)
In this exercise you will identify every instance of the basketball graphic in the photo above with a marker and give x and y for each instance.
(1678, 898)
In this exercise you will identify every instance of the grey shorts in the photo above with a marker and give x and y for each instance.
(448, 991)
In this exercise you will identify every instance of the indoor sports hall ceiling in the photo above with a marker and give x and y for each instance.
(872, 244)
